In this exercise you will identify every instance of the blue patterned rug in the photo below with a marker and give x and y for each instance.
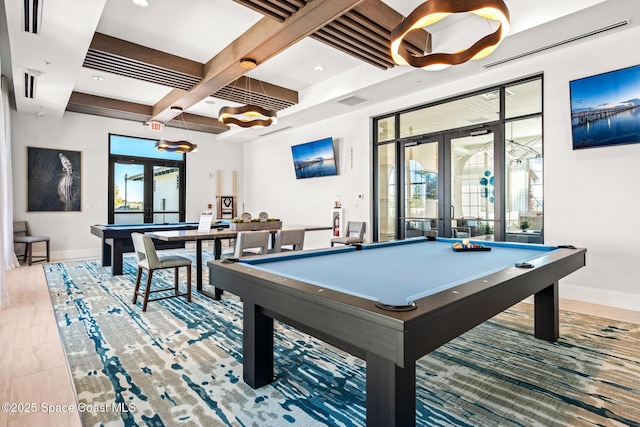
(181, 364)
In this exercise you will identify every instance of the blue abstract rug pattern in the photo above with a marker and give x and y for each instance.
(180, 363)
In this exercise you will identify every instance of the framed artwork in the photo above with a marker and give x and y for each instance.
(53, 180)
(605, 109)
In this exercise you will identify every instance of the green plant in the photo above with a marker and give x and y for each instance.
(525, 224)
(488, 229)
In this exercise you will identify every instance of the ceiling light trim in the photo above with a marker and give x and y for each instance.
(247, 116)
(432, 11)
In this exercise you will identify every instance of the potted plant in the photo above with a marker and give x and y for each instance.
(525, 224)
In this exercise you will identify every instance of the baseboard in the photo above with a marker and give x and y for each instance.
(74, 255)
(606, 297)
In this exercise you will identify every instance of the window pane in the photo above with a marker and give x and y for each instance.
(472, 185)
(523, 99)
(386, 129)
(163, 218)
(524, 197)
(121, 218)
(166, 191)
(128, 188)
(138, 147)
(468, 111)
(387, 192)
(421, 190)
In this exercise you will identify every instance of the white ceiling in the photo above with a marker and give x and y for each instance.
(198, 30)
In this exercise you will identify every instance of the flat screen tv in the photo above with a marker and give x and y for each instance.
(313, 159)
(605, 109)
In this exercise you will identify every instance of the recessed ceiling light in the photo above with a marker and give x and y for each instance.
(141, 3)
(98, 78)
(319, 68)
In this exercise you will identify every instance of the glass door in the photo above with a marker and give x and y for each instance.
(166, 194)
(474, 187)
(421, 190)
(147, 191)
(129, 199)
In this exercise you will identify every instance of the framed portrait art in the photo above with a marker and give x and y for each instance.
(605, 109)
(53, 180)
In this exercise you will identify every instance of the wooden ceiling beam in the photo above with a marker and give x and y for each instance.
(261, 42)
(389, 18)
(366, 56)
(119, 109)
(145, 55)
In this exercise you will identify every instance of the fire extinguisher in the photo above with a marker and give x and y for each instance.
(336, 225)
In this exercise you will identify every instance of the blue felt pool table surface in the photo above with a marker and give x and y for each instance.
(399, 272)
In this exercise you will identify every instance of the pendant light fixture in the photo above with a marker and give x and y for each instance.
(432, 11)
(178, 146)
(249, 115)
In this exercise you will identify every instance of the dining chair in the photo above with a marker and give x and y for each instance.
(289, 240)
(22, 235)
(148, 259)
(354, 234)
(248, 241)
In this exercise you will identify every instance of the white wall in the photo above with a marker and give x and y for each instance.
(590, 195)
(69, 231)
(591, 198)
(271, 184)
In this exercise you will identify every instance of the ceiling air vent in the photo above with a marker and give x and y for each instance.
(352, 100)
(275, 131)
(30, 77)
(32, 15)
(560, 43)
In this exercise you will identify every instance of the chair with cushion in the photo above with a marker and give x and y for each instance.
(148, 259)
(355, 234)
(22, 235)
(460, 232)
(248, 241)
(289, 240)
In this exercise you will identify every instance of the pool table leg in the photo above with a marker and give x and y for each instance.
(257, 344)
(391, 393)
(106, 253)
(547, 313)
(117, 250)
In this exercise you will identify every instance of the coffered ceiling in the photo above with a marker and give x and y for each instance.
(315, 58)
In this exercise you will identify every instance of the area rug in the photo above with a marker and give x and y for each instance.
(180, 363)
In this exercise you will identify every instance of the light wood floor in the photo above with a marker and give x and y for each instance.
(33, 368)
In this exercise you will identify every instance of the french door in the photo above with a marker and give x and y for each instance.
(450, 186)
(146, 191)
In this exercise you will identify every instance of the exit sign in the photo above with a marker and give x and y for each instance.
(155, 126)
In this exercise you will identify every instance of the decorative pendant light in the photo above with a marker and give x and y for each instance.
(249, 115)
(432, 11)
(178, 146)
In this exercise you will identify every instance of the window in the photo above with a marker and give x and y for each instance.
(472, 164)
(145, 184)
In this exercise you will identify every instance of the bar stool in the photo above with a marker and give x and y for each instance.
(22, 235)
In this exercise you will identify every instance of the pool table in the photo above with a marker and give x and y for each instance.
(390, 304)
(116, 239)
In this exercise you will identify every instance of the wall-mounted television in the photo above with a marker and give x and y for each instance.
(605, 109)
(315, 158)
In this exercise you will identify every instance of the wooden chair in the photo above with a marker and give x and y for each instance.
(248, 241)
(354, 234)
(22, 235)
(148, 259)
(289, 240)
